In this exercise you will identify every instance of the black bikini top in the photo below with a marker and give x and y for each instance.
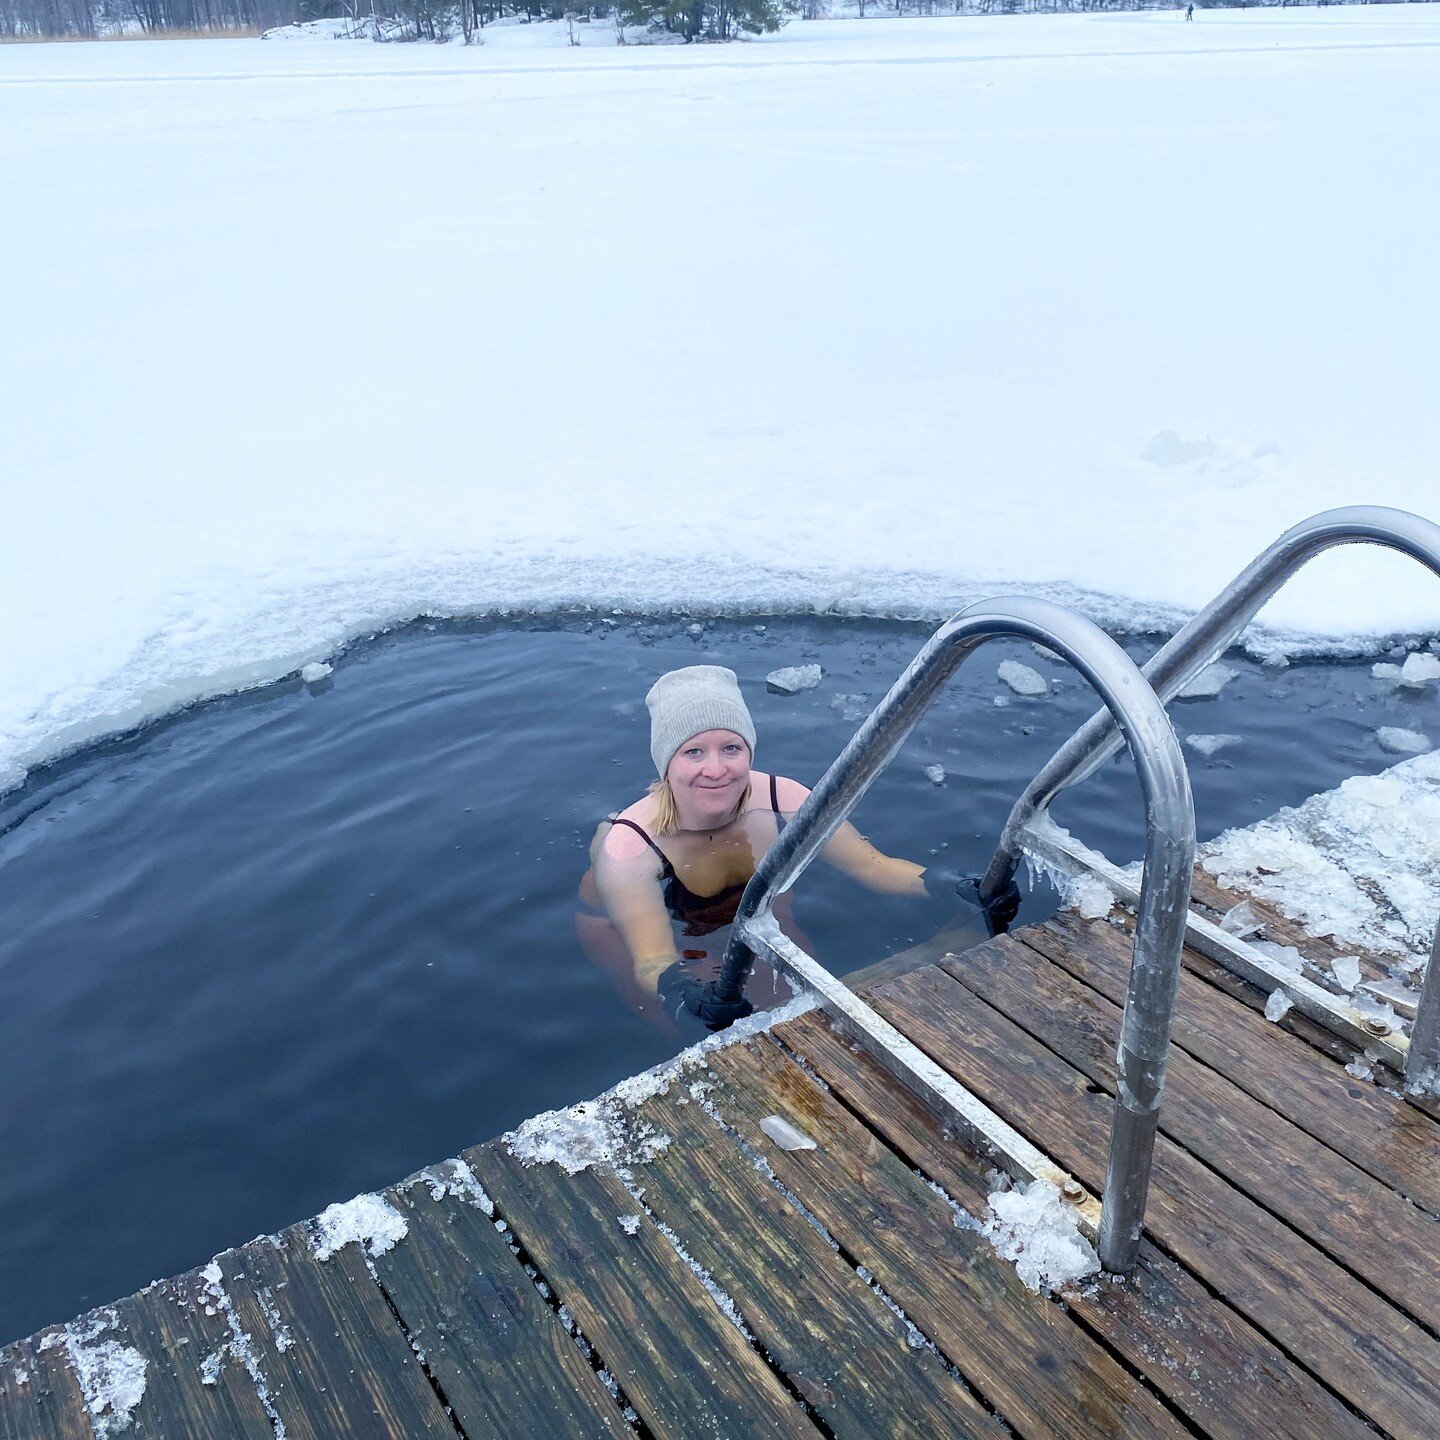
(700, 914)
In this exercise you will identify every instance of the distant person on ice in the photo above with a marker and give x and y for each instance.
(1189, 12)
(685, 851)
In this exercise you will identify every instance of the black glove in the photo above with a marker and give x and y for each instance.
(999, 913)
(679, 987)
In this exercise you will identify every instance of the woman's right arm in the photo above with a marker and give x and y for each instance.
(628, 880)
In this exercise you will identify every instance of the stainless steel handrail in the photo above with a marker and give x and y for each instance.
(1199, 644)
(1169, 855)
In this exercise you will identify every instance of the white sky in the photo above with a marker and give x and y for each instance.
(300, 338)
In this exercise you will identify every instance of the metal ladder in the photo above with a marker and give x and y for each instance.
(1163, 899)
(1169, 670)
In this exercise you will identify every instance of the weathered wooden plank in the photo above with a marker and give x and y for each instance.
(682, 1364)
(334, 1359)
(950, 941)
(1362, 1223)
(507, 1367)
(195, 1386)
(844, 1350)
(1217, 1369)
(40, 1398)
(1352, 1339)
(1378, 1131)
(1024, 1354)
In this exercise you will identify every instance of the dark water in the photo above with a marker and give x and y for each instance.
(295, 944)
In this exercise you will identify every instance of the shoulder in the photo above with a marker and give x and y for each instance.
(624, 842)
(790, 793)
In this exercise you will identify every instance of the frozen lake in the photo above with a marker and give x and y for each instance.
(300, 338)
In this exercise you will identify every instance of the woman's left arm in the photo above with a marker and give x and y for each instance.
(853, 855)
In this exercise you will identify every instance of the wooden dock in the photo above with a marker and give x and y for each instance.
(712, 1282)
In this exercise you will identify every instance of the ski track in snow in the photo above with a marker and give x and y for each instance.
(378, 333)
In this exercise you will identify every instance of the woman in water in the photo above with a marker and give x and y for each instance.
(685, 851)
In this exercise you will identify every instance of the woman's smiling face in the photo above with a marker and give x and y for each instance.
(707, 776)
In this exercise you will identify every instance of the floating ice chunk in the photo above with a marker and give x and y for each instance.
(367, 1220)
(1046, 653)
(1241, 921)
(1420, 669)
(1033, 1227)
(315, 672)
(12, 776)
(696, 629)
(1022, 679)
(1276, 1006)
(1207, 745)
(1346, 970)
(1208, 683)
(1001, 701)
(935, 774)
(1275, 660)
(1397, 741)
(785, 1135)
(1383, 670)
(853, 708)
(792, 679)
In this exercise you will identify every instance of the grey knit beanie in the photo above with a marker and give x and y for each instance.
(684, 702)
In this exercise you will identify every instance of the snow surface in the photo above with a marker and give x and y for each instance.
(305, 339)
(1360, 863)
(111, 1375)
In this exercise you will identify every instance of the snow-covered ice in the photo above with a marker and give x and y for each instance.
(1360, 863)
(111, 1375)
(315, 672)
(313, 338)
(1022, 679)
(792, 679)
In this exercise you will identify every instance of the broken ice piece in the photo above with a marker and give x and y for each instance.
(1385, 671)
(1208, 683)
(785, 1135)
(1397, 741)
(1276, 1006)
(315, 672)
(792, 679)
(850, 707)
(1286, 955)
(935, 774)
(1420, 668)
(1346, 970)
(1360, 1068)
(1046, 653)
(1241, 921)
(1207, 745)
(630, 1224)
(1022, 679)
(1400, 998)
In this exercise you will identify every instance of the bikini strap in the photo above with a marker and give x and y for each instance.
(641, 832)
(774, 795)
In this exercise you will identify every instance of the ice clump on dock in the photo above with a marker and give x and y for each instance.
(1022, 679)
(604, 1131)
(792, 679)
(111, 1375)
(1346, 970)
(1033, 1227)
(1208, 683)
(1359, 864)
(1398, 741)
(367, 1220)
(1277, 1006)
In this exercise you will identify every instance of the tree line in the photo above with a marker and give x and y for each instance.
(467, 19)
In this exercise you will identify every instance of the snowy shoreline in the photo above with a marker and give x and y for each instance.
(315, 340)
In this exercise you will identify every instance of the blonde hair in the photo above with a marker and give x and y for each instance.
(666, 820)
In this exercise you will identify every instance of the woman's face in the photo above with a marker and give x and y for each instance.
(708, 775)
